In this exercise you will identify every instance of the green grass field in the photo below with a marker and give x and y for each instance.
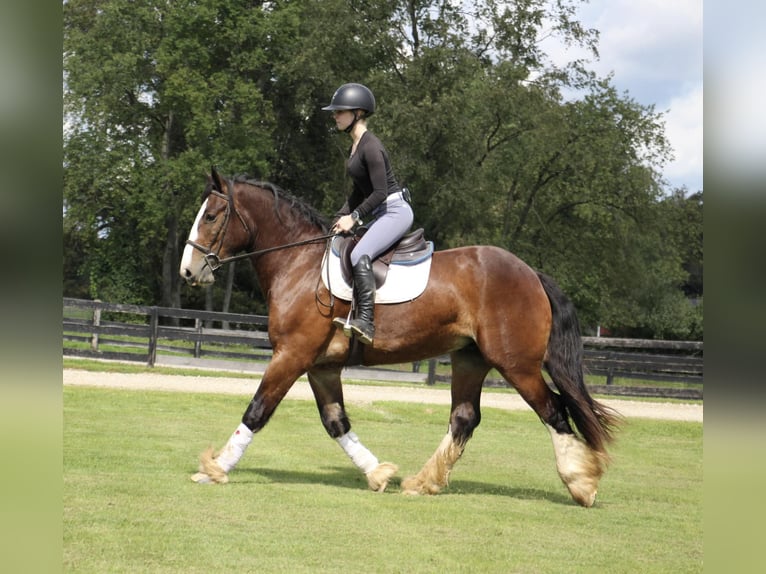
(296, 503)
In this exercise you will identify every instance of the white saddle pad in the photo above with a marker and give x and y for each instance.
(404, 282)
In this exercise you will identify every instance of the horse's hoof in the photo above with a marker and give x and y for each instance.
(210, 468)
(378, 479)
(203, 478)
(415, 486)
(584, 498)
(411, 486)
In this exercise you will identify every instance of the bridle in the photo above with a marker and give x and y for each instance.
(212, 258)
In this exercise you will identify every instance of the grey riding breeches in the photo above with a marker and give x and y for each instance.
(393, 219)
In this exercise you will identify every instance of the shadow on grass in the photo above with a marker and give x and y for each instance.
(471, 487)
(330, 476)
(344, 477)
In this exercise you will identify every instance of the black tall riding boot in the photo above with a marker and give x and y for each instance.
(364, 294)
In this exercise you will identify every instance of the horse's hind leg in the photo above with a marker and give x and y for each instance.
(579, 466)
(468, 372)
(328, 392)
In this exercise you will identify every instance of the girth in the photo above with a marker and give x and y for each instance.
(409, 248)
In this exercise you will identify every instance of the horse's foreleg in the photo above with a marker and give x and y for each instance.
(468, 372)
(328, 392)
(277, 380)
(378, 474)
(215, 467)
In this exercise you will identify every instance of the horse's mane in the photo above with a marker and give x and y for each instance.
(303, 209)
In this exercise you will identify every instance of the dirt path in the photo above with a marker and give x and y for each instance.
(355, 394)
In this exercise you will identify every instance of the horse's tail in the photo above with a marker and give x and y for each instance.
(564, 363)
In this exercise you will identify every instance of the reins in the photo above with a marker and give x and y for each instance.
(214, 262)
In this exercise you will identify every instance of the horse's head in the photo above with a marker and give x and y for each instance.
(215, 234)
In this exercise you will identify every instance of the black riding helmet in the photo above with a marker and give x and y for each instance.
(352, 97)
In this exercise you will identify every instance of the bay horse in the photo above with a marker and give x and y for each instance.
(482, 305)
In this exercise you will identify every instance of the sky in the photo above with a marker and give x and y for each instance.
(654, 50)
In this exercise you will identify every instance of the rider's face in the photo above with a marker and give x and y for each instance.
(343, 118)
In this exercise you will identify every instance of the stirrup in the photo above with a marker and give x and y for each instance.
(367, 335)
(344, 324)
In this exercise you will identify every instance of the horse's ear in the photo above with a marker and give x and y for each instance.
(216, 179)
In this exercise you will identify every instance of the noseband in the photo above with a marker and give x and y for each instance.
(214, 261)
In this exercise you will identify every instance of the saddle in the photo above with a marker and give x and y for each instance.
(411, 248)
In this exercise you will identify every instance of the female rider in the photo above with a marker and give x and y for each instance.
(376, 195)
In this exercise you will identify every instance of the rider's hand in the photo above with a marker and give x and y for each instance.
(344, 224)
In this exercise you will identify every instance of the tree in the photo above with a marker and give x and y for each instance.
(494, 154)
(154, 90)
(470, 108)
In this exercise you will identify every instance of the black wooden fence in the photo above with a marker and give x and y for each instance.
(161, 335)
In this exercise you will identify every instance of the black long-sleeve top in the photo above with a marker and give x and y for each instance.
(373, 177)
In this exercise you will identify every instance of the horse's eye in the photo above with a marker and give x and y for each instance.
(210, 217)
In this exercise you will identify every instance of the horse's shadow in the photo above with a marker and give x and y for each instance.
(465, 487)
(342, 477)
(329, 476)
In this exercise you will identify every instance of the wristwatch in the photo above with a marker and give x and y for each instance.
(356, 218)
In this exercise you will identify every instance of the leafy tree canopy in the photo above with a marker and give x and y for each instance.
(470, 108)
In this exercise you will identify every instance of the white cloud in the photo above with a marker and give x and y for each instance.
(654, 50)
(647, 41)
